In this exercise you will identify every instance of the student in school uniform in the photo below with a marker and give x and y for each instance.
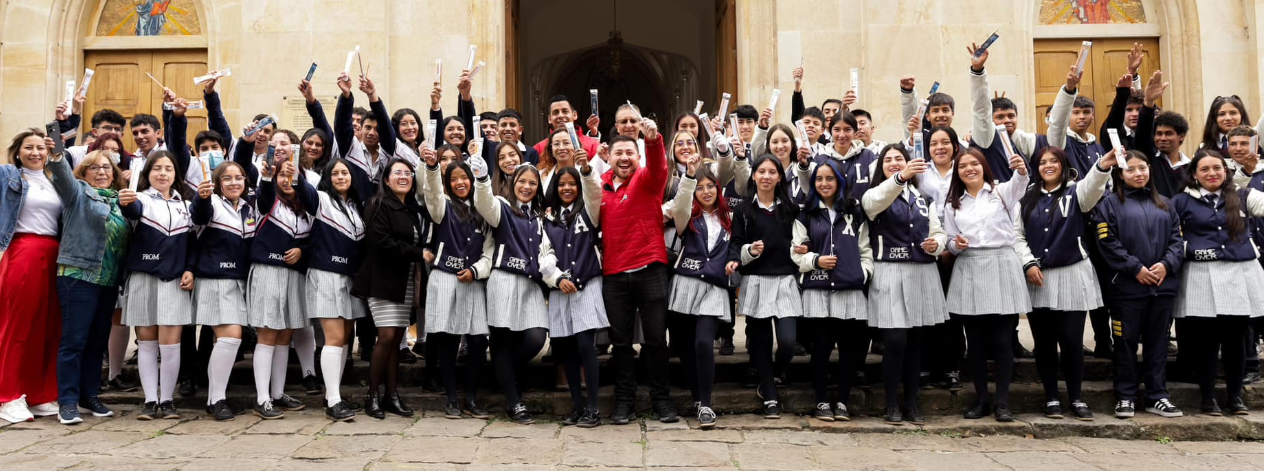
(856, 162)
(489, 127)
(865, 129)
(369, 153)
(1139, 233)
(779, 140)
(939, 112)
(986, 292)
(158, 302)
(833, 272)
(508, 158)
(408, 130)
(904, 296)
(456, 299)
(1061, 280)
(1125, 111)
(1225, 113)
(760, 249)
(516, 314)
(318, 142)
(1247, 161)
(997, 117)
(570, 263)
(510, 127)
(1222, 283)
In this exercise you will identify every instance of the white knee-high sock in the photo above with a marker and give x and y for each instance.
(119, 335)
(170, 371)
(280, 362)
(147, 363)
(331, 369)
(221, 366)
(304, 342)
(263, 371)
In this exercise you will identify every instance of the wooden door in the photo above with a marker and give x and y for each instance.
(1107, 62)
(513, 78)
(120, 84)
(726, 51)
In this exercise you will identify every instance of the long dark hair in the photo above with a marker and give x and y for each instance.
(421, 130)
(787, 210)
(326, 148)
(958, 187)
(790, 133)
(881, 175)
(1211, 130)
(218, 174)
(952, 137)
(1233, 206)
(553, 201)
(703, 136)
(461, 206)
(537, 202)
(444, 125)
(502, 183)
(383, 189)
(178, 186)
(722, 210)
(814, 199)
(327, 186)
(1035, 190)
(1117, 180)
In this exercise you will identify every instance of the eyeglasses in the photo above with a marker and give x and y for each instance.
(113, 129)
(402, 173)
(686, 143)
(232, 179)
(100, 168)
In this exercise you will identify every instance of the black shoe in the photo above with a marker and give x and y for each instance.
(1125, 409)
(267, 412)
(312, 385)
(980, 410)
(592, 418)
(1003, 414)
(1053, 409)
(1251, 377)
(1104, 350)
(69, 415)
(823, 412)
(913, 415)
(772, 410)
(840, 412)
(221, 412)
(726, 346)
(799, 351)
(782, 380)
(519, 414)
(98, 409)
(121, 385)
(573, 417)
(353, 405)
(924, 381)
(892, 415)
(285, 402)
(373, 406)
(953, 382)
(1210, 407)
(407, 356)
(148, 411)
(750, 379)
(1237, 406)
(1081, 412)
(339, 412)
(187, 388)
(1165, 408)
(474, 410)
(1022, 352)
(452, 410)
(665, 412)
(394, 404)
(167, 410)
(624, 413)
(419, 348)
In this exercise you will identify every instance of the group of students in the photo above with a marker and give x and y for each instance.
(484, 241)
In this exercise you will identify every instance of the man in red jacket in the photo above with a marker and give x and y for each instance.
(635, 269)
(560, 113)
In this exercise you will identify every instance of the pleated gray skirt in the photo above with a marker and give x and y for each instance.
(906, 295)
(275, 298)
(573, 313)
(453, 307)
(219, 302)
(1070, 288)
(828, 304)
(988, 281)
(1221, 288)
(762, 297)
(691, 295)
(515, 302)
(329, 296)
(152, 302)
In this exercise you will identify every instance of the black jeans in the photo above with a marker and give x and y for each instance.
(1141, 322)
(1223, 335)
(991, 333)
(1052, 329)
(625, 294)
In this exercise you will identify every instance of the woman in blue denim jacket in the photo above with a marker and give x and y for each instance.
(89, 268)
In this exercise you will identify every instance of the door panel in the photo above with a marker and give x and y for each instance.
(119, 83)
(1107, 63)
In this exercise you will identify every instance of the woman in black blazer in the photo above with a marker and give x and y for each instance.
(398, 233)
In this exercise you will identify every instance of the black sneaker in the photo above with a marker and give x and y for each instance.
(149, 411)
(187, 388)
(96, 407)
(726, 346)
(913, 415)
(285, 402)
(665, 412)
(799, 351)
(592, 418)
(1251, 377)
(1081, 412)
(474, 410)
(121, 385)
(953, 381)
(1003, 414)
(573, 417)
(267, 412)
(823, 412)
(407, 356)
(924, 381)
(706, 418)
(69, 415)
(1053, 410)
(624, 413)
(340, 412)
(452, 410)
(520, 415)
(840, 412)
(1125, 409)
(772, 410)
(220, 411)
(892, 415)
(1237, 406)
(167, 410)
(1165, 408)
(312, 385)
(1210, 407)
(1022, 352)
(980, 410)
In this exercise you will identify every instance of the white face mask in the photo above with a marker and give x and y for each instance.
(113, 156)
(213, 158)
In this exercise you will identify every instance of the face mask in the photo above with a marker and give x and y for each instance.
(113, 156)
(213, 158)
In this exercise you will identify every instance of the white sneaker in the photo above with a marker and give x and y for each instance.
(46, 409)
(15, 411)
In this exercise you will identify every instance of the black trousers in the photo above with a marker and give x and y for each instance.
(994, 334)
(725, 329)
(1145, 323)
(1222, 336)
(852, 338)
(1051, 330)
(625, 294)
(446, 346)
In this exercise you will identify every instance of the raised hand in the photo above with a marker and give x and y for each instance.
(649, 128)
(181, 106)
(1154, 88)
(805, 154)
(367, 87)
(76, 103)
(62, 112)
(1125, 81)
(205, 189)
(1017, 163)
(912, 169)
(209, 87)
(907, 82)
(691, 167)
(1073, 80)
(720, 143)
(464, 85)
(765, 117)
(435, 95)
(798, 78)
(168, 96)
(478, 165)
(593, 123)
(1134, 59)
(305, 88)
(344, 84)
(429, 156)
(849, 99)
(581, 160)
(976, 63)
(739, 147)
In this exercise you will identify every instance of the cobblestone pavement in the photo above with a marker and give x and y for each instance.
(306, 440)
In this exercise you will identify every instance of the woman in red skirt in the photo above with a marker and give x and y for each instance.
(30, 319)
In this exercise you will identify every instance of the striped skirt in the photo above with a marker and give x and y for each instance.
(988, 281)
(151, 302)
(762, 297)
(219, 302)
(515, 302)
(906, 295)
(1221, 288)
(1070, 288)
(388, 313)
(573, 313)
(275, 298)
(690, 295)
(329, 296)
(828, 304)
(453, 307)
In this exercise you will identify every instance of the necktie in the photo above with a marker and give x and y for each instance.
(1211, 198)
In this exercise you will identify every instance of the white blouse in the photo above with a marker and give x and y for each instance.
(986, 220)
(41, 210)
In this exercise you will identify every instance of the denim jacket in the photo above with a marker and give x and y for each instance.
(83, 217)
(12, 194)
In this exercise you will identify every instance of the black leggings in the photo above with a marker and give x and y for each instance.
(511, 350)
(694, 337)
(573, 351)
(994, 332)
(1209, 336)
(901, 361)
(852, 338)
(1051, 330)
(447, 345)
(385, 360)
(759, 339)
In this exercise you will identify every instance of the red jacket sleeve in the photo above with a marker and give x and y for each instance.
(655, 179)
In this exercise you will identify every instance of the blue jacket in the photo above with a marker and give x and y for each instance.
(518, 235)
(11, 198)
(161, 242)
(337, 242)
(1050, 233)
(1132, 233)
(576, 249)
(224, 236)
(845, 237)
(279, 231)
(83, 218)
(1203, 226)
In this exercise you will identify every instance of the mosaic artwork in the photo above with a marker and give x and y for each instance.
(149, 18)
(1091, 12)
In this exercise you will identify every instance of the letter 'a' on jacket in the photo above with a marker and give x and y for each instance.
(572, 247)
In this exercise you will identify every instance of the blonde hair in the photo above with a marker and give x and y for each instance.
(16, 144)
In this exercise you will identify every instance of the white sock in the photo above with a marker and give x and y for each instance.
(147, 363)
(119, 335)
(280, 362)
(221, 366)
(331, 369)
(304, 342)
(263, 371)
(169, 371)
